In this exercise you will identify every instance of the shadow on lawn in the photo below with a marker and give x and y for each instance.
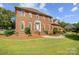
(72, 36)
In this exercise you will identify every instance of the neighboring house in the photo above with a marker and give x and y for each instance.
(36, 20)
(70, 27)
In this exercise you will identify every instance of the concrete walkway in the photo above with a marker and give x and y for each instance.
(60, 36)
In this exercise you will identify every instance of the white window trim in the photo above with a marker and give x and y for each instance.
(37, 21)
(30, 14)
(22, 13)
(22, 22)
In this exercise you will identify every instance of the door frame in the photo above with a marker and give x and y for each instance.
(37, 21)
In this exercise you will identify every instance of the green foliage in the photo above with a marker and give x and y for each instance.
(8, 32)
(5, 18)
(63, 24)
(27, 30)
(76, 24)
(72, 36)
(55, 31)
(77, 27)
(2, 32)
(46, 31)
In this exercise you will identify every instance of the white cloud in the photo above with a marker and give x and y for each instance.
(42, 5)
(58, 17)
(1, 5)
(61, 9)
(32, 5)
(74, 4)
(68, 16)
(74, 9)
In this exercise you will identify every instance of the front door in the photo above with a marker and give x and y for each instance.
(38, 26)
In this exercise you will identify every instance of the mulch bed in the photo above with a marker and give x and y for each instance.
(21, 36)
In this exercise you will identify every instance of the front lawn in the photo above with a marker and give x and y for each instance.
(39, 46)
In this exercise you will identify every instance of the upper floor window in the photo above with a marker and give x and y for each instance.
(22, 13)
(37, 16)
(30, 14)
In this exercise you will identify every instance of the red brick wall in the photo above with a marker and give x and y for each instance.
(44, 23)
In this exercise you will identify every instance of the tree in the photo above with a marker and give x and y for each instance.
(5, 18)
(77, 27)
(76, 24)
(63, 24)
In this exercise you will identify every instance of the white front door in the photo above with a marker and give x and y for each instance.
(37, 26)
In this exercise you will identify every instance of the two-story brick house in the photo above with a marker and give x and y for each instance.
(36, 20)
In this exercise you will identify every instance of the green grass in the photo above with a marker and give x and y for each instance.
(39, 46)
(2, 32)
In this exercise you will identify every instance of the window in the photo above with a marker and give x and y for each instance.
(37, 16)
(22, 13)
(30, 14)
(22, 25)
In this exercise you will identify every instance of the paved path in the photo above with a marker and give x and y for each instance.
(60, 36)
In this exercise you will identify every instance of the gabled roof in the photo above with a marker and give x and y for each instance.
(33, 10)
(70, 26)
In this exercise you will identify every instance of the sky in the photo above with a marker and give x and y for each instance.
(67, 12)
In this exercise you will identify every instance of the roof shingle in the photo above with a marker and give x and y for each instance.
(33, 10)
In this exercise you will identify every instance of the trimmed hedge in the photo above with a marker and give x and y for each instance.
(9, 32)
(27, 30)
(46, 31)
(55, 31)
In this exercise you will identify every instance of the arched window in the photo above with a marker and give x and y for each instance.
(22, 25)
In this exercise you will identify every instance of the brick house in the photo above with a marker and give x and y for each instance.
(36, 20)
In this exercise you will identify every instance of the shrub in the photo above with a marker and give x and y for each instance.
(55, 31)
(8, 32)
(50, 33)
(27, 30)
(46, 31)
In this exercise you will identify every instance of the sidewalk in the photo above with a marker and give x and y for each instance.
(60, 36)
